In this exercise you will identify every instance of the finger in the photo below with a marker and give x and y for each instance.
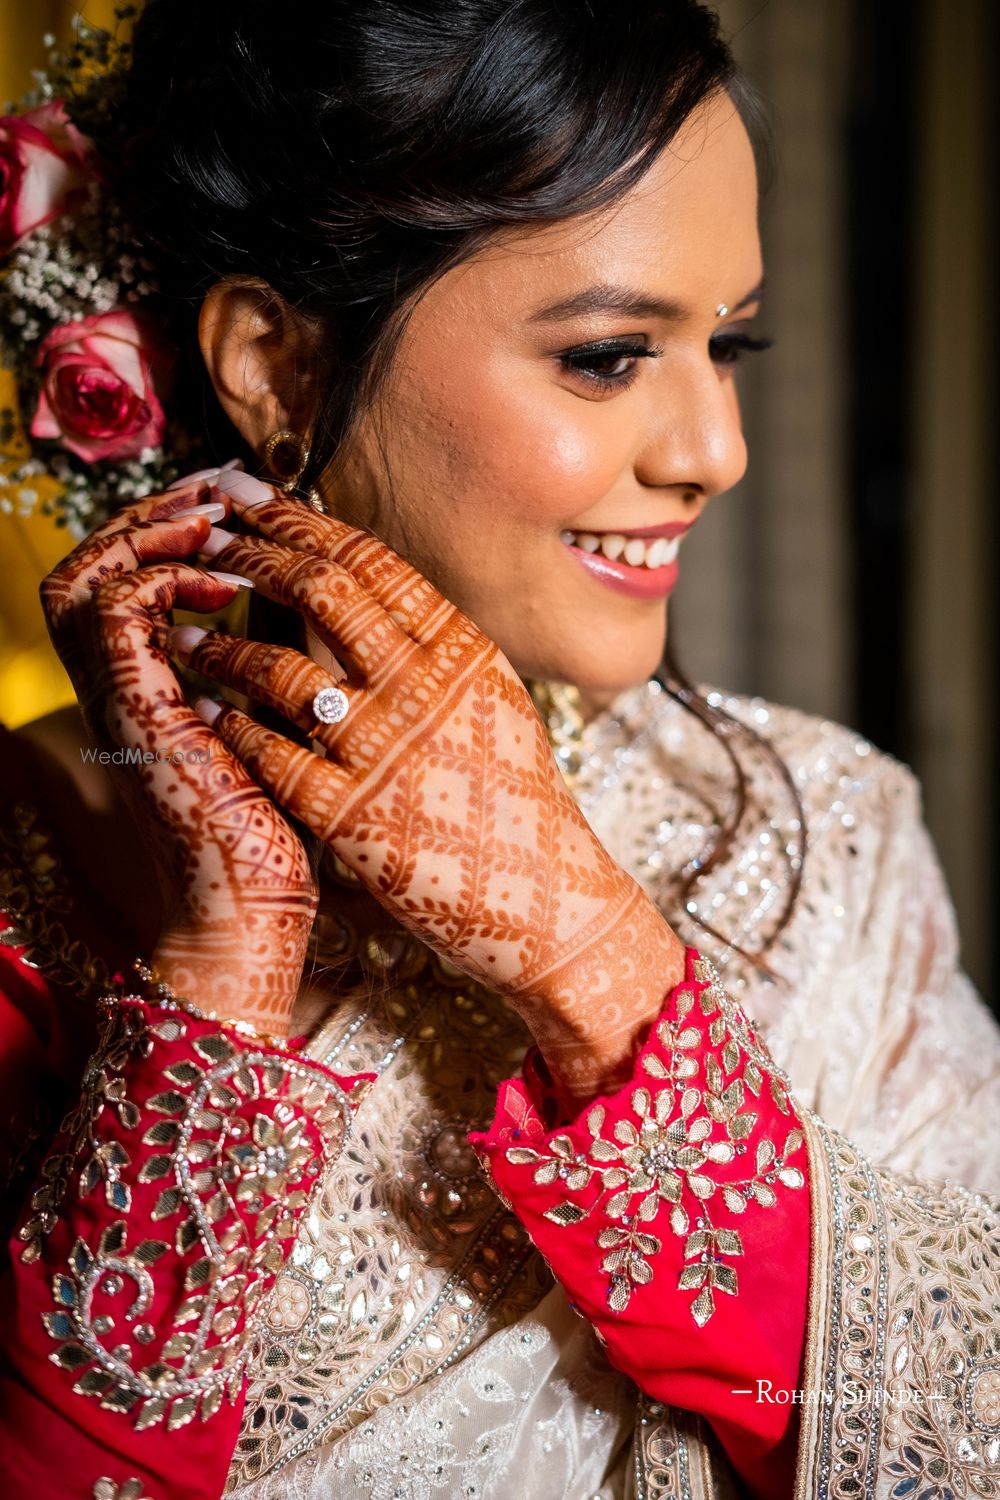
(67, 596)
(342, 611)
(284, 679)
(409, 598)
(181, 524)
(303, 784)
(142, 698)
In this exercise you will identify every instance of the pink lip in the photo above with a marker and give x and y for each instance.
(639, 583)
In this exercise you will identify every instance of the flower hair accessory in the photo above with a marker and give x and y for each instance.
(82, 330)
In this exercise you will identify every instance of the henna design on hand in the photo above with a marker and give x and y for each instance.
(238, 892)
(440, 790)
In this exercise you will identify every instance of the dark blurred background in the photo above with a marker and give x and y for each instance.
(851, 573)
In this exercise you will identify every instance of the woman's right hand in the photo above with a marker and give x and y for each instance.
(238, 893)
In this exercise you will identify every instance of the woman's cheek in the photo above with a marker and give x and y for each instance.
(560, 452)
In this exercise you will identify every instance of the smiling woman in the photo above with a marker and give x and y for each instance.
(422, 1151)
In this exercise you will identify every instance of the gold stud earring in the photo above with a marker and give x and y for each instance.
(286, 455)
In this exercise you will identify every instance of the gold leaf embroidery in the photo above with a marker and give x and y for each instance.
(667, 1148)
(215, 1162)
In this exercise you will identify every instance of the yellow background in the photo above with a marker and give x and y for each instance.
(32, 680)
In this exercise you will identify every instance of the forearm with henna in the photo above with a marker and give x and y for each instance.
(439, 788)
(236, 888)
(465, 841)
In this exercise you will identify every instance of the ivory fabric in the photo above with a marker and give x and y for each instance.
(417, 1345)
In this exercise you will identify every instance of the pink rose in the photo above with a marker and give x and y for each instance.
(99, 387)
(43, 163)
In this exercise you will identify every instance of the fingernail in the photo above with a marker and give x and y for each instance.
(244, 583)
(214, 511)
(215, 542)
(180, 484)
(243, 489)
(207, 709)
(183, 638)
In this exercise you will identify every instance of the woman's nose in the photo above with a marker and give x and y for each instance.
(695, 436)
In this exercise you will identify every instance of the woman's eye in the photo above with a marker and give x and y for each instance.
(608, 366)
(728, 348)
(612, 367)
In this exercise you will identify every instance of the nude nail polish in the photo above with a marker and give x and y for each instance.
(207, 709)
(213, 510)
(244, 583)
(243, 489)
(216, 541)
(182, 639)
(197, 477)
(199, 474)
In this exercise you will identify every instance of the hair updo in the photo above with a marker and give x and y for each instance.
(347, 153)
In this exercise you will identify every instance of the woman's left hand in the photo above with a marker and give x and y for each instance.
(439, 787)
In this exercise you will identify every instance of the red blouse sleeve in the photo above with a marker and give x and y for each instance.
(687, 1183)
(142, 1261)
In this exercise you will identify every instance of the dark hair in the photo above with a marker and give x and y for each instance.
(347, 153)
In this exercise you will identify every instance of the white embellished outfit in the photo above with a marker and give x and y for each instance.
(415, 1343)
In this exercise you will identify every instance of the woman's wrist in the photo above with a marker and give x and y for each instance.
(144, 981)
(247, 984)
(592, 1017)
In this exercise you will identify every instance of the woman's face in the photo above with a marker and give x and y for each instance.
(512, 449)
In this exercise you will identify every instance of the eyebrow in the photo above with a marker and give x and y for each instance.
(608, 297)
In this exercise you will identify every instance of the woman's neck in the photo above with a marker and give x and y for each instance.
(593, 704)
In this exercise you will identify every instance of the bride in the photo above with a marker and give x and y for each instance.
(538, 1077)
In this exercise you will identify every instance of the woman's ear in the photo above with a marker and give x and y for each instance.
(257, 353)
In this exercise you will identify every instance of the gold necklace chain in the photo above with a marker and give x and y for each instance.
(561, 711)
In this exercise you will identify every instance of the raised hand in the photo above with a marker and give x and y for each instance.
(235, 884)
(438, 788)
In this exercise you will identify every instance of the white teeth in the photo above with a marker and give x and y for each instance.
(638, 552)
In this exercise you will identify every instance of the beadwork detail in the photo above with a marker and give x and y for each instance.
(905, 1332)
(206, 1178)
(698, 1116)
(129, 1489)
(656, 784)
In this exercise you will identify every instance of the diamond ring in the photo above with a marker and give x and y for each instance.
(330, 705)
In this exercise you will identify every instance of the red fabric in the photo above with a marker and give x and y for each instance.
(112, 1178)
(592, 1192)
(56, 1442)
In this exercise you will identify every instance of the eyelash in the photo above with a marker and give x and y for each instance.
(728, 349)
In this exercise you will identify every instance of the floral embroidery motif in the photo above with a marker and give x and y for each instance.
(291, 1304)
(218, 1166)
(983, 1399)
(697, 1118)
(123, 1038)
